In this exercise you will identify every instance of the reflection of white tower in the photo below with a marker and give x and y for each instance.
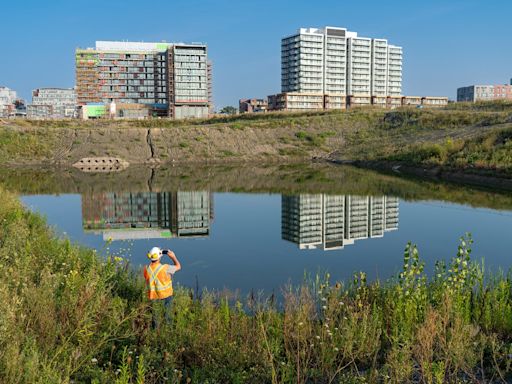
(377, 216)
(357, 217)
(391, 212)
(301, 220)
(331, 222)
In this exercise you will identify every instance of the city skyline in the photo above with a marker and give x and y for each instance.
(440, 51)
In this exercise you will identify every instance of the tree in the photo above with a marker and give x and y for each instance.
(229, 110)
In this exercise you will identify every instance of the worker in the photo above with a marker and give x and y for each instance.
(159, 281)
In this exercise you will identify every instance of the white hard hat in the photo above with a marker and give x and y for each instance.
(155, 254)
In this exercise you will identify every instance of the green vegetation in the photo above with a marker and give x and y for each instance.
(25, 145)
(229, 110)
(70, 315)
(492, 151)
(462, 136)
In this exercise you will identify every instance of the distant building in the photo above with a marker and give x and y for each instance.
(434, 101)
(474, 93)
(331, 222)
(252, 105)
(174, 80)
(211, 107)
(296, 102)
(52, 103)
(7, 100)
(333, 68)
(128, 215)
(335, 61)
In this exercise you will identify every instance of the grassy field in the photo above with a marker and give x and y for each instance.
(71, 315)
(463, 136)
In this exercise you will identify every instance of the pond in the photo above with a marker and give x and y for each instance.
(258, 229)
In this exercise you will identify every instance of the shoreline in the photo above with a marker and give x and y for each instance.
(89, 320)
(475, 177)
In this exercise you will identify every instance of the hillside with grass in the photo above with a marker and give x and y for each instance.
(463, 136)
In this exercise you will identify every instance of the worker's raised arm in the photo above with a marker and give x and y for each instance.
(174, 259)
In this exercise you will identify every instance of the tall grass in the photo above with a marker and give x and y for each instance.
(69, 315)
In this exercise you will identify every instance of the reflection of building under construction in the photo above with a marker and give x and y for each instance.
(312, 221)
(143, 215)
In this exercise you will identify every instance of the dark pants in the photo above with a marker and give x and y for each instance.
(159, 306)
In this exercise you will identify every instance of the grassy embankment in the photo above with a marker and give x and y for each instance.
(68, 314)
(467, 136)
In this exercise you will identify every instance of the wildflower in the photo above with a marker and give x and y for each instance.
(336, 349)
(283, 363)
(130, 352)
(345, 318)
(324, 307)
(326, 325)
(324, 299)
(317, 337)
(301, 323)
(341, 303)
(94, 360)
(335, 328)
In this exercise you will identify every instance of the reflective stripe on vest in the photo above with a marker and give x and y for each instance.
(157, 289)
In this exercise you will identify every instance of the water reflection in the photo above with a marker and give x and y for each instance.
(312, 221)
(147, 215)
(331, 222)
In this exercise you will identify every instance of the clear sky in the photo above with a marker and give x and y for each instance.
(447, 43)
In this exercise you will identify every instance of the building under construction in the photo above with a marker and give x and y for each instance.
(170, 79)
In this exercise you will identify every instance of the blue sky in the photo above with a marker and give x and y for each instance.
(446, 44)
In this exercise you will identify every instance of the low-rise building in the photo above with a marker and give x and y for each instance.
(56, 103)
(474, 93)
(252, 105)
(7, 100)
(434, 101)
(294, 101)
(411, 101)
(359, 101)
(393, 102)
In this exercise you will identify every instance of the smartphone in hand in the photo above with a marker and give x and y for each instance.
(165, 251)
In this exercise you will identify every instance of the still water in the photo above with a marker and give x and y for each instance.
(258, 240)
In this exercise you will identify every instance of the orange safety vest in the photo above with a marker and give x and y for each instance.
(158, 282)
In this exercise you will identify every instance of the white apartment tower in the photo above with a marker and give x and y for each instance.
(333, 60)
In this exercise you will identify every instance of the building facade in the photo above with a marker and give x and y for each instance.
(173, 79)
(7, 100)
(333, 221)
(52, 103)
(252, 105)
(474, 93)
(335, 61)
